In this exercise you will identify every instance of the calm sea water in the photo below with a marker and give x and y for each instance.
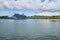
(29, 29)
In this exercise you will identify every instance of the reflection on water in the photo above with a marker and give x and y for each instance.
(29, 29)
(55, 20)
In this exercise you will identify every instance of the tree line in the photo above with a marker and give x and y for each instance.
(35, 17)
(44, 17)
(4, 17)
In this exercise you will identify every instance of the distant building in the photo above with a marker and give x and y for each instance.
(18, 16)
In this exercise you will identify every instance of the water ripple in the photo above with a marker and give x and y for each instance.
(47, 37)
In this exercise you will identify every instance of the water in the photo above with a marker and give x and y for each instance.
(29, 29)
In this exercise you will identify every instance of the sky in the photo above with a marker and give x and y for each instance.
(30, 7)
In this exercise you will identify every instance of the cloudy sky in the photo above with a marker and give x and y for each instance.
(30, 7)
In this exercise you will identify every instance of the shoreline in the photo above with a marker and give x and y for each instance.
(42, 19)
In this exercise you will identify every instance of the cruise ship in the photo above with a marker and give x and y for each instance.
(18, 16)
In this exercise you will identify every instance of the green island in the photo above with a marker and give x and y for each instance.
(44, 17)
(22, 16)
(35, 17)
(4, 17)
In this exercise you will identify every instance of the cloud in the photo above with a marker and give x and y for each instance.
(35, 5)
(49, 13)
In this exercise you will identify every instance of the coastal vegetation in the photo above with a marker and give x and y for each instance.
(34, 17)
(44, 17)
(4, 17)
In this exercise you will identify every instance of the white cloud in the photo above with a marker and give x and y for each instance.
(35, 5)
(49, 13)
